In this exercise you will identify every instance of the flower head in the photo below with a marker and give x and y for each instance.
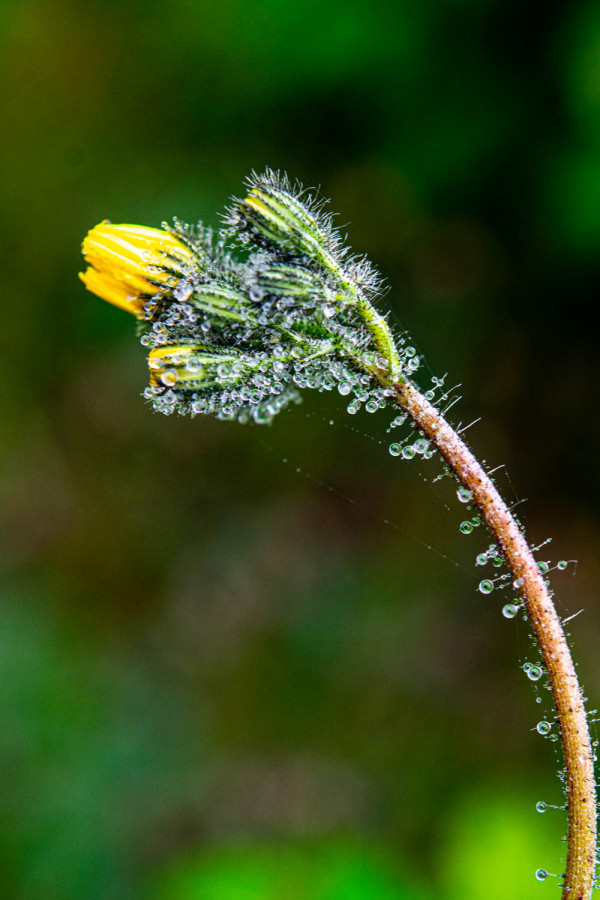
(238, 338)
(130, 265)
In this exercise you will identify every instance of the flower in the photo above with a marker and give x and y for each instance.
(131, 264)
(238, 337)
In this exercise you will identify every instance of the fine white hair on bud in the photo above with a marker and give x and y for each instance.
(239, 337)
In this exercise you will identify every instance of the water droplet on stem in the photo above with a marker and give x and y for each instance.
(510, 610)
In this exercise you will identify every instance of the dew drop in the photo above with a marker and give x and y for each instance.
(372, 406)
(261, 415)
(466, 527)
(408, 452)
(464, 495)
(486, 586)
(475, 521)
(169, 377)
(395, 449)
(481, 559)
(344, 387)
(562, 564)
(510, 611)
(543, 567)
(541, 806)
(353, 407)
(183, 290)
(541, 874)
(421, 445)
(194, 365)
(543, 727)
(534, 673)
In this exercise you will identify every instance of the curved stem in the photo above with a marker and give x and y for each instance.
(568, 700)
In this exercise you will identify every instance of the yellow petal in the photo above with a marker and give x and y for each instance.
(127, 261)
(114, 291)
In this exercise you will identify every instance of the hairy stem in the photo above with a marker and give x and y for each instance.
(568, 700)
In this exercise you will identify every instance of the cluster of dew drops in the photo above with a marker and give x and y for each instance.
(254, 385)
(373, 398)
(420, 447)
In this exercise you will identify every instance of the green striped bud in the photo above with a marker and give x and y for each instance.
(272, 217)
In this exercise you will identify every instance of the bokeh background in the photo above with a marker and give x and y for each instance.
(224, 675)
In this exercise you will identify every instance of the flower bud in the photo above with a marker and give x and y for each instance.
(131, 264)
(187, 367)
(271, 216)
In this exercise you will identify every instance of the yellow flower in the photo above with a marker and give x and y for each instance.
(130, 264)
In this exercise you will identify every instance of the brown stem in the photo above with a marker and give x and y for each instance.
(568, 700)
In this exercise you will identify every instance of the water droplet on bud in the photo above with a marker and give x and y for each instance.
(169, 377)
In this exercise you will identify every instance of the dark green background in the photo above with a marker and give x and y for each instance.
(221, 678)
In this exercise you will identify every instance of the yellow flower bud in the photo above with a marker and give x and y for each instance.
(182, 364)
(130, 264)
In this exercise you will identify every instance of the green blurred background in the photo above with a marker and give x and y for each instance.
(222, 678)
